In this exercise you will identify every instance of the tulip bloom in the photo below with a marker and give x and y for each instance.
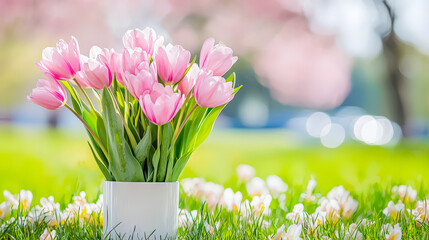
(109, 57)
(161, 104)
(145, 39)
(188, 82)
(48, 94)
(113, 60)
(171, 62)
(143, 81)
(132, 58)
(217, 58)
(212, 91)
(95, 73)
(61, 62)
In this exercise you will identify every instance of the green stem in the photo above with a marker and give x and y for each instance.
(89, 129)
(143, 119)
(127, 129)
(184, 122)
(126, 106)
(159, 136)
(158, 140)
(179, 119)
(84, 93)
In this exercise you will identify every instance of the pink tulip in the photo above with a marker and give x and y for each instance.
(217, 58)
(143, 81)
(171, 62)
(132, 58)
(48, 94)
(95, 72)
(212, 91)
(61, 62)
(107, 56)
(161, 104)
(188, 82)
(113, 60)
(145, 39)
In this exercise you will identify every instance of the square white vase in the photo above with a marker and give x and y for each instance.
(140, 210)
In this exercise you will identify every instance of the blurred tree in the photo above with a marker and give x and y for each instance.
(395, 81)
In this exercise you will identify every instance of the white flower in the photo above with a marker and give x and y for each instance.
(5, 209)
(276, 185)
(308, 195)
(193, 186)
(212, 194)
(297, 214)
(186, 218)
(279, 233)
(316, 219)
(261, 204)
(330, 208)
(231, 201)
(391, 233)
(22, 200)
(405, 193)
(366, 223)
(256, 187)
(209, 192)
(48, 235)
(338, 202)
(393, 210)
(352, 233)
(211, 229)
(245, 172)
(293, 233)
(265, 224)
(421, 212)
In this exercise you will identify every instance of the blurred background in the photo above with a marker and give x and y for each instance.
(333, 89)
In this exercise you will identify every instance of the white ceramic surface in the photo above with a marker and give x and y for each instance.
(139, 208)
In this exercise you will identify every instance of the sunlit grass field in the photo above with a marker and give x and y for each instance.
(59, 162)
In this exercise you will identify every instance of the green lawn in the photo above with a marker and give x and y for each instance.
(59, 163)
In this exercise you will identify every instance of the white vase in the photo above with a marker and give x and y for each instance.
(140, 210)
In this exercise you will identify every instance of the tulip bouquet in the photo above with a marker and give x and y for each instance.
(146, 108)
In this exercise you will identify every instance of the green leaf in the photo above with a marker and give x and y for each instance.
(190, 130)
(155, 162)
(236, 89)
(186, 71)
(167, 138)
(123, 165)
(102, 167)
(101, 129)
(207, 126)
(76, 106)
(143, 147)
(133, 130)
(170, 166)
(90, 118)
(232, 79)
(178, 167)
(98, 149)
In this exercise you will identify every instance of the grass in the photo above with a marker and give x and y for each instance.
(58, 163)
(237, 225)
